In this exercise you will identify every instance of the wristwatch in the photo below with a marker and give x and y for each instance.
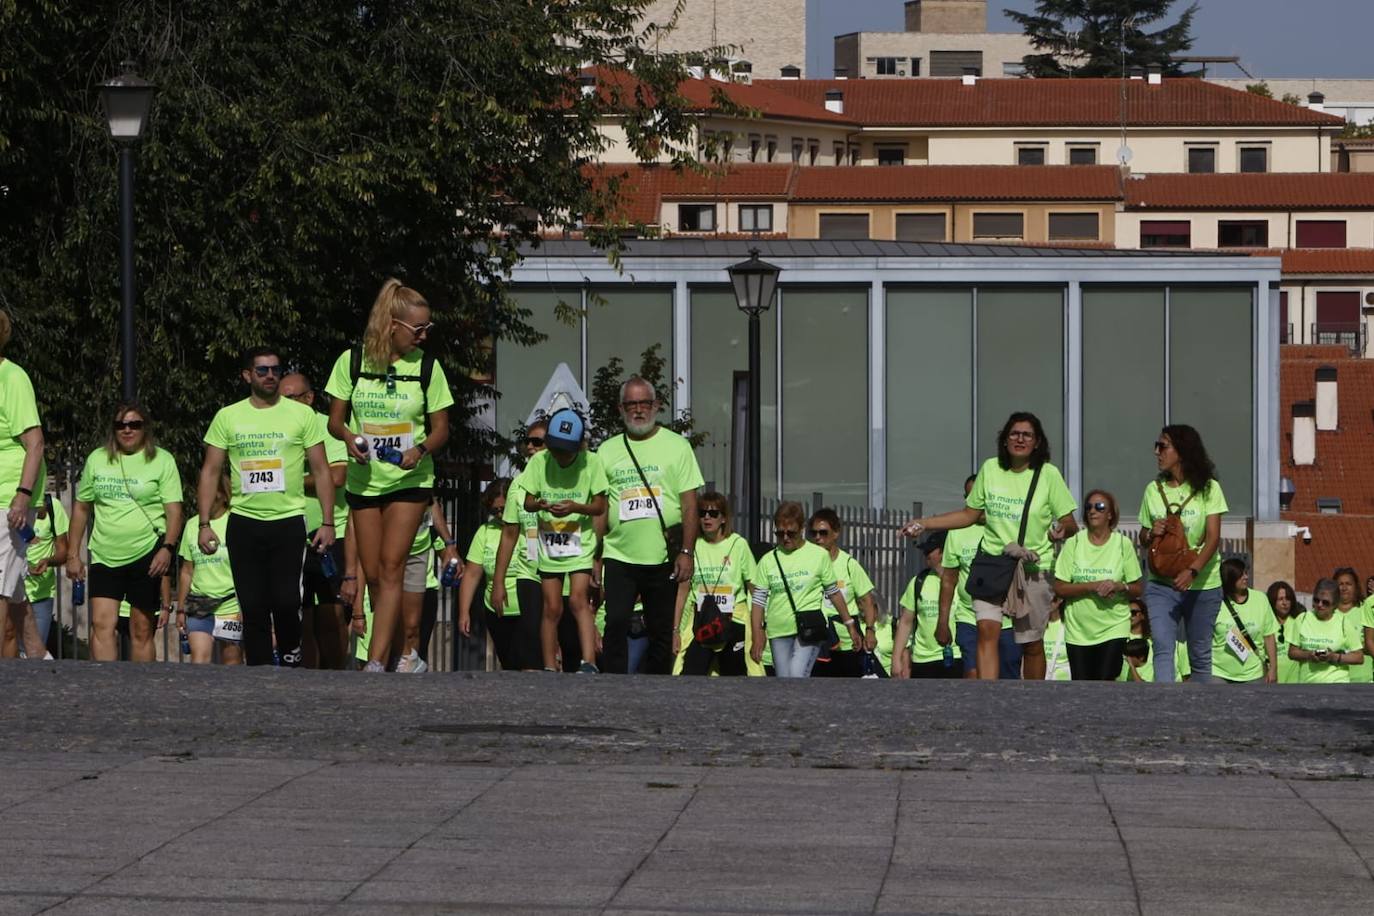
(685, 552)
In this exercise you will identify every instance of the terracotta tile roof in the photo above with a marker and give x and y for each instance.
(1324, 354)
(956, 182)
(763, 180)
(634, 189)
(701, 96)
(1050, 102)
(1266, 191)
(1337, 540)
(1329, 261)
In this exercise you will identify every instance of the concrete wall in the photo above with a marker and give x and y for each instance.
(1359, 231)
(999, 49)
(804, 218)
(946, 16)
(770, 34)
(727, 215)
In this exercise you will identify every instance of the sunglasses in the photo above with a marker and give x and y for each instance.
(121, 425)
(299, 395)
(537, 441)
(264, 371)
(1098, 506)
(1161, 446)
(419, 330)
(787, 534)
(637, 405)
(818, 533)
(711, 513)
(1322, 602)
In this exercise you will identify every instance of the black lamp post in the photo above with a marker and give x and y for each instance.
(127, 100)
(755, 283)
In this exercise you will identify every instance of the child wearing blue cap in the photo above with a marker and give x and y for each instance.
(566, 486)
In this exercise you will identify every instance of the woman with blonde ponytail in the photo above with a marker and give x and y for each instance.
(390, 402)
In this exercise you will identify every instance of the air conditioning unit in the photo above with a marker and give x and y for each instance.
(901, 73)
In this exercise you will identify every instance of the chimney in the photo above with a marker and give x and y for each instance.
(588, 83)
(841, 73)
(791, 72)
(1304, 433)
(1316, 101)
(834, 101)
(1327, 413)
(1155, 74)
(1137, 73)
(970, 77)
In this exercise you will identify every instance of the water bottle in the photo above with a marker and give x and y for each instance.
(276, 658)
(78, 593)
(360, 443)
(388, 454)
(947, 654)
(449, 577)
(26, 533)
(870, 665)
(185, 644)
(327, 564)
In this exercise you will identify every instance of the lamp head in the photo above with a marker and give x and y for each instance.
(127, 99)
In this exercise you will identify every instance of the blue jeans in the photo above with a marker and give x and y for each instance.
(638, 649)
(1196, 611)
(791, 658)
(966, 638)
(1008, 651)
(42, 617)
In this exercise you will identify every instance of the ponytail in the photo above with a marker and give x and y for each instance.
(392, 302)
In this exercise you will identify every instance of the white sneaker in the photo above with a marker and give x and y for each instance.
(411, 663)
(375, 668)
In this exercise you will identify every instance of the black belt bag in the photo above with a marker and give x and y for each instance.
(813, 627)
(990, 575)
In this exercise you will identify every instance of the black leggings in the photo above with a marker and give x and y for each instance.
(841, 663)
(505, 636)
(938, 669)
(624, 582)
(1101, 662)
(530, 641)
(729, 659)
(265, 558)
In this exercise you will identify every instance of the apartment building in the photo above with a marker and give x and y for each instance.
(941, 38)
(768, 35)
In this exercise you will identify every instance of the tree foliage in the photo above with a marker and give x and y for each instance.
(1085, 38)
(604, 421)
(299, 153)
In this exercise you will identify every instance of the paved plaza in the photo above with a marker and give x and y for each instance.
(167, 789)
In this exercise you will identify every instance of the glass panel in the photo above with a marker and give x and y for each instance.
(825, 394)
(1254, 159)
(1030, 155)
(920, 227)
(625, 322)
(1123, 399)
(1020, 363)
(1211, 384)
(1082, 155)
(522, 372)
(929, 416)
(1202, 159)
(720, 354)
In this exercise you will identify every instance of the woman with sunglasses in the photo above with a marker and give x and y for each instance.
(1283, 601)
(791, 582)
(1325, 649)
(1097, 574)
(398, 398)
(1186, 485)
(998, 498)
(847, 659)
(722, 570)
(1244, 640)
(1350, 608)
(134, 490)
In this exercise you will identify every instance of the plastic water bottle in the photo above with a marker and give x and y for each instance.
(388, 454)
(327, 564)
(449, 577)
(78, 593)
(185, 644)
(360, 443)
(947, 654)
(276, 657)
(26, 533)
(869, 665)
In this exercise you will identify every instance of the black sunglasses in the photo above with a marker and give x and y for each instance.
(817, 533)
(1322, 602)
(1100, 506)
(786, 534)
(264, 371)
(128, 424)
(711, 513)
(535, 440)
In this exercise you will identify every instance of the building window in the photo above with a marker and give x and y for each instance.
(887, 66)
(1328, 505)
(999, 225)
(1082, 155)
(1242, 234)
(1074, 227)
(1030, 155)
(696, 217)
(755, 143)
(956, 63)
(839, 154)
(797, 149)
(771, 148)
(1320, 233)
(891, 155)
(853, 155)
(844, 225)
(1202, 159)
(1013, 68)
(756, 217)
(1338, 319)
(813, 151)
(921, 227)
(1254, 158)
(1166, 234)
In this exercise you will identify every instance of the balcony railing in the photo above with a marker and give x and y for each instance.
(1349, 334)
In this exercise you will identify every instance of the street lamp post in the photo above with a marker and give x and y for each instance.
(127, 100)
(755, 284)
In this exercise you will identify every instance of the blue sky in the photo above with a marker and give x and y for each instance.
(1273, 38)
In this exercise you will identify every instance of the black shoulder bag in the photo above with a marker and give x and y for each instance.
(672, 534)
(813, 627)
(989, 576)
(1245, 632)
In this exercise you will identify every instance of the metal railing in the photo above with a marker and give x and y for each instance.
(1349, 334)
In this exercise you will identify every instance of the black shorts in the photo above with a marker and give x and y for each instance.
(129, 582)
(316, 587)
(408, 495)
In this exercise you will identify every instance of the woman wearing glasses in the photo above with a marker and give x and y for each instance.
(999, 500)
(1186, 486)
(134, 490)
(723, 567)
(1097, 574)
(847, 660)
(397, 397)
(791, 582)
(1325, 649)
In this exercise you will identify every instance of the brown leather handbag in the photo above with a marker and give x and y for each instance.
(1170, 553)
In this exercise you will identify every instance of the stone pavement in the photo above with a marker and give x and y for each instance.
(166, 789)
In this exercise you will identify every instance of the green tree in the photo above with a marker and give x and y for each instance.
(1260, 89)
(299, 153)
(1086, 37)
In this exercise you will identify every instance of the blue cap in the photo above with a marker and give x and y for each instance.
(565, 431)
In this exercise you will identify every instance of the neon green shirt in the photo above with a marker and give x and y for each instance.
(809, 573)
(44, 543)
(1056, 651)
(1259, 619)
(1002, 494)
(854, 583)
(1212, 502)
(565, 544)
(266, 450)
(633, 532)
(390, 414)
(1288, 669)
(1182, 668)
(927, 611)
(129, 495)
(211, 577)
(961, 546)
(1363, 673)
(725, 570)
(18, 415)
(1091, 619)
(524, 556)
(885, 637)
(335, 453)
(1332, 634)
(482, 552)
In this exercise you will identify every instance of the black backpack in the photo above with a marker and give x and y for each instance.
(355, 372)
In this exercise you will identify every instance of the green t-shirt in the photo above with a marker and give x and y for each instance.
(885, 637)
(1056, 651)
(854, 583)
(129, 495)
(18, 415)
(266, 448)
(1182, 667)
(725, 570)
(1259, 619)
(633, 532)
(45, 533)
(927, 611)
(809, 573)
(961, 546)
(565, 544)
(1091, 619)
(211, 577)
(524, 556)
(1211, 502)
(1002, 494)
(390, 414)
(1332, 634)
(335, 453)
(482, 552)
(1288, 632)
(1363, 673)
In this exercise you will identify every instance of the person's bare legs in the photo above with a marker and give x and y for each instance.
(553, 612)
(385, 536)
(142, 626)
(1033, 660)
(104, 618)
(989, 636)
(585, 614)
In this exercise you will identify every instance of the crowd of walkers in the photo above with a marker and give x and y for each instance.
(316, 540)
